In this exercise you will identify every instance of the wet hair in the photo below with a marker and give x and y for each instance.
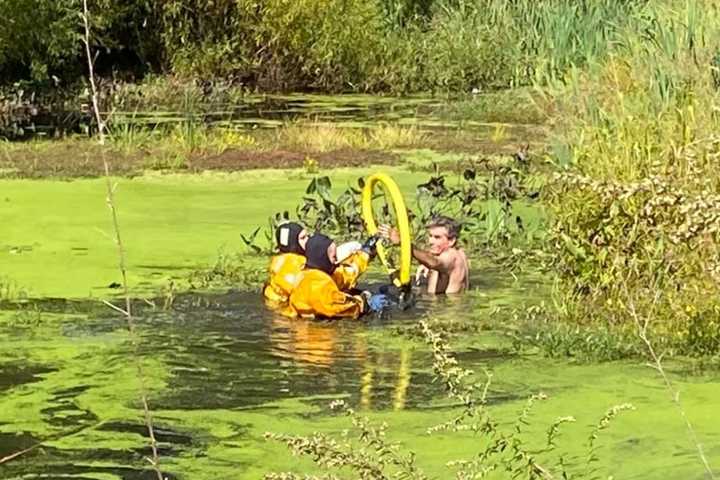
(316, 253)
(287, 237)
(452, 226)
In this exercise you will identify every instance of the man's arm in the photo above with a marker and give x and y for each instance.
(441, 263)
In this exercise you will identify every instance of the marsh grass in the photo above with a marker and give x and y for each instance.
(388, 136)
(319, 137)
(128, 137)
(10, 291)
(638, 203)
(315, 136)
(228, 270)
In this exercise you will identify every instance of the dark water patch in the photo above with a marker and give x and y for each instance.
(64, 412)
(15, 374)
(271, 111)
(233, 353)
(45, 466)
(162, 434)
(260, 112)
(11, 442)
(170, 443)
(478, 356)
(267, 111)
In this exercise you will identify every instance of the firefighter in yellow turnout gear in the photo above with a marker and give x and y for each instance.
(325, 289)
(285, 267)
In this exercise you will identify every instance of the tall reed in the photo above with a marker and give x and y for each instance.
(127, 311)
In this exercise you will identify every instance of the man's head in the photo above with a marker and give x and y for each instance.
(443, 233)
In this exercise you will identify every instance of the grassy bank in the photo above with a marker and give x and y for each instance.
(301, 131)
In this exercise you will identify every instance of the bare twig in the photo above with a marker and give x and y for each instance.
(115, 307)
(642, 326)
(154, 461)
(91, 73)
(59, 436)
(127, 312)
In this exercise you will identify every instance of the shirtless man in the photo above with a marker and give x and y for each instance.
(445, 265)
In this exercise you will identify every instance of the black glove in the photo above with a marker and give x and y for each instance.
(370, 246)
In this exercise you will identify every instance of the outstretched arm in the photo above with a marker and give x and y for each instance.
(441, 263)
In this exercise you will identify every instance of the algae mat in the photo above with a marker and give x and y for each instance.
(222, 371)
(57, 238)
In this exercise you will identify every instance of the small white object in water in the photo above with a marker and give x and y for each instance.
(346, 249)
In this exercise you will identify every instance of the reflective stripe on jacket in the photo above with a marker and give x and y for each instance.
(347, 273)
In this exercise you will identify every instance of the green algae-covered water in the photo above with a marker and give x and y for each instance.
(221, 370)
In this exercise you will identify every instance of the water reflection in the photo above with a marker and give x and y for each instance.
(305, 341)
(210, 361)
(318, 344)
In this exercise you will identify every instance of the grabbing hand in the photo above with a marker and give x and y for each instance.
(370, 245)
(389, 233)
(375, 302)
(378, 302)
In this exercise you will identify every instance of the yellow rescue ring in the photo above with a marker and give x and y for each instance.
(401, 274)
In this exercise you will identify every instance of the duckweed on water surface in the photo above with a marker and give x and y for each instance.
(222, 373)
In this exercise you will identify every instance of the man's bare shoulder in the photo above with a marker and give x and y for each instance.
(448, 256)
(453, 257)
(454, 254)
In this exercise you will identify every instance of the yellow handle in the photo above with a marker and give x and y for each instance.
(403, 226)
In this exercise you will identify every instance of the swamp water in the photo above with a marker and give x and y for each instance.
(221, 371)
(260, 111)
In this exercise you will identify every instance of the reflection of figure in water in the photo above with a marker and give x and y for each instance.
(304, 341)
(320, 344)
(444, 265)
(402, 379)
(326, 289)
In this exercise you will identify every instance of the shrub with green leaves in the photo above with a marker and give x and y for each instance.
(637, 216)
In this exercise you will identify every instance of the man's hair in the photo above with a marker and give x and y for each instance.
(452, 226)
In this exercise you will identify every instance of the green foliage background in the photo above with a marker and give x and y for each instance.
(329, 45)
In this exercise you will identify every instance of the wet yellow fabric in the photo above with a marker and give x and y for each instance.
(284, 276)
(347, 273)
(317, 295)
